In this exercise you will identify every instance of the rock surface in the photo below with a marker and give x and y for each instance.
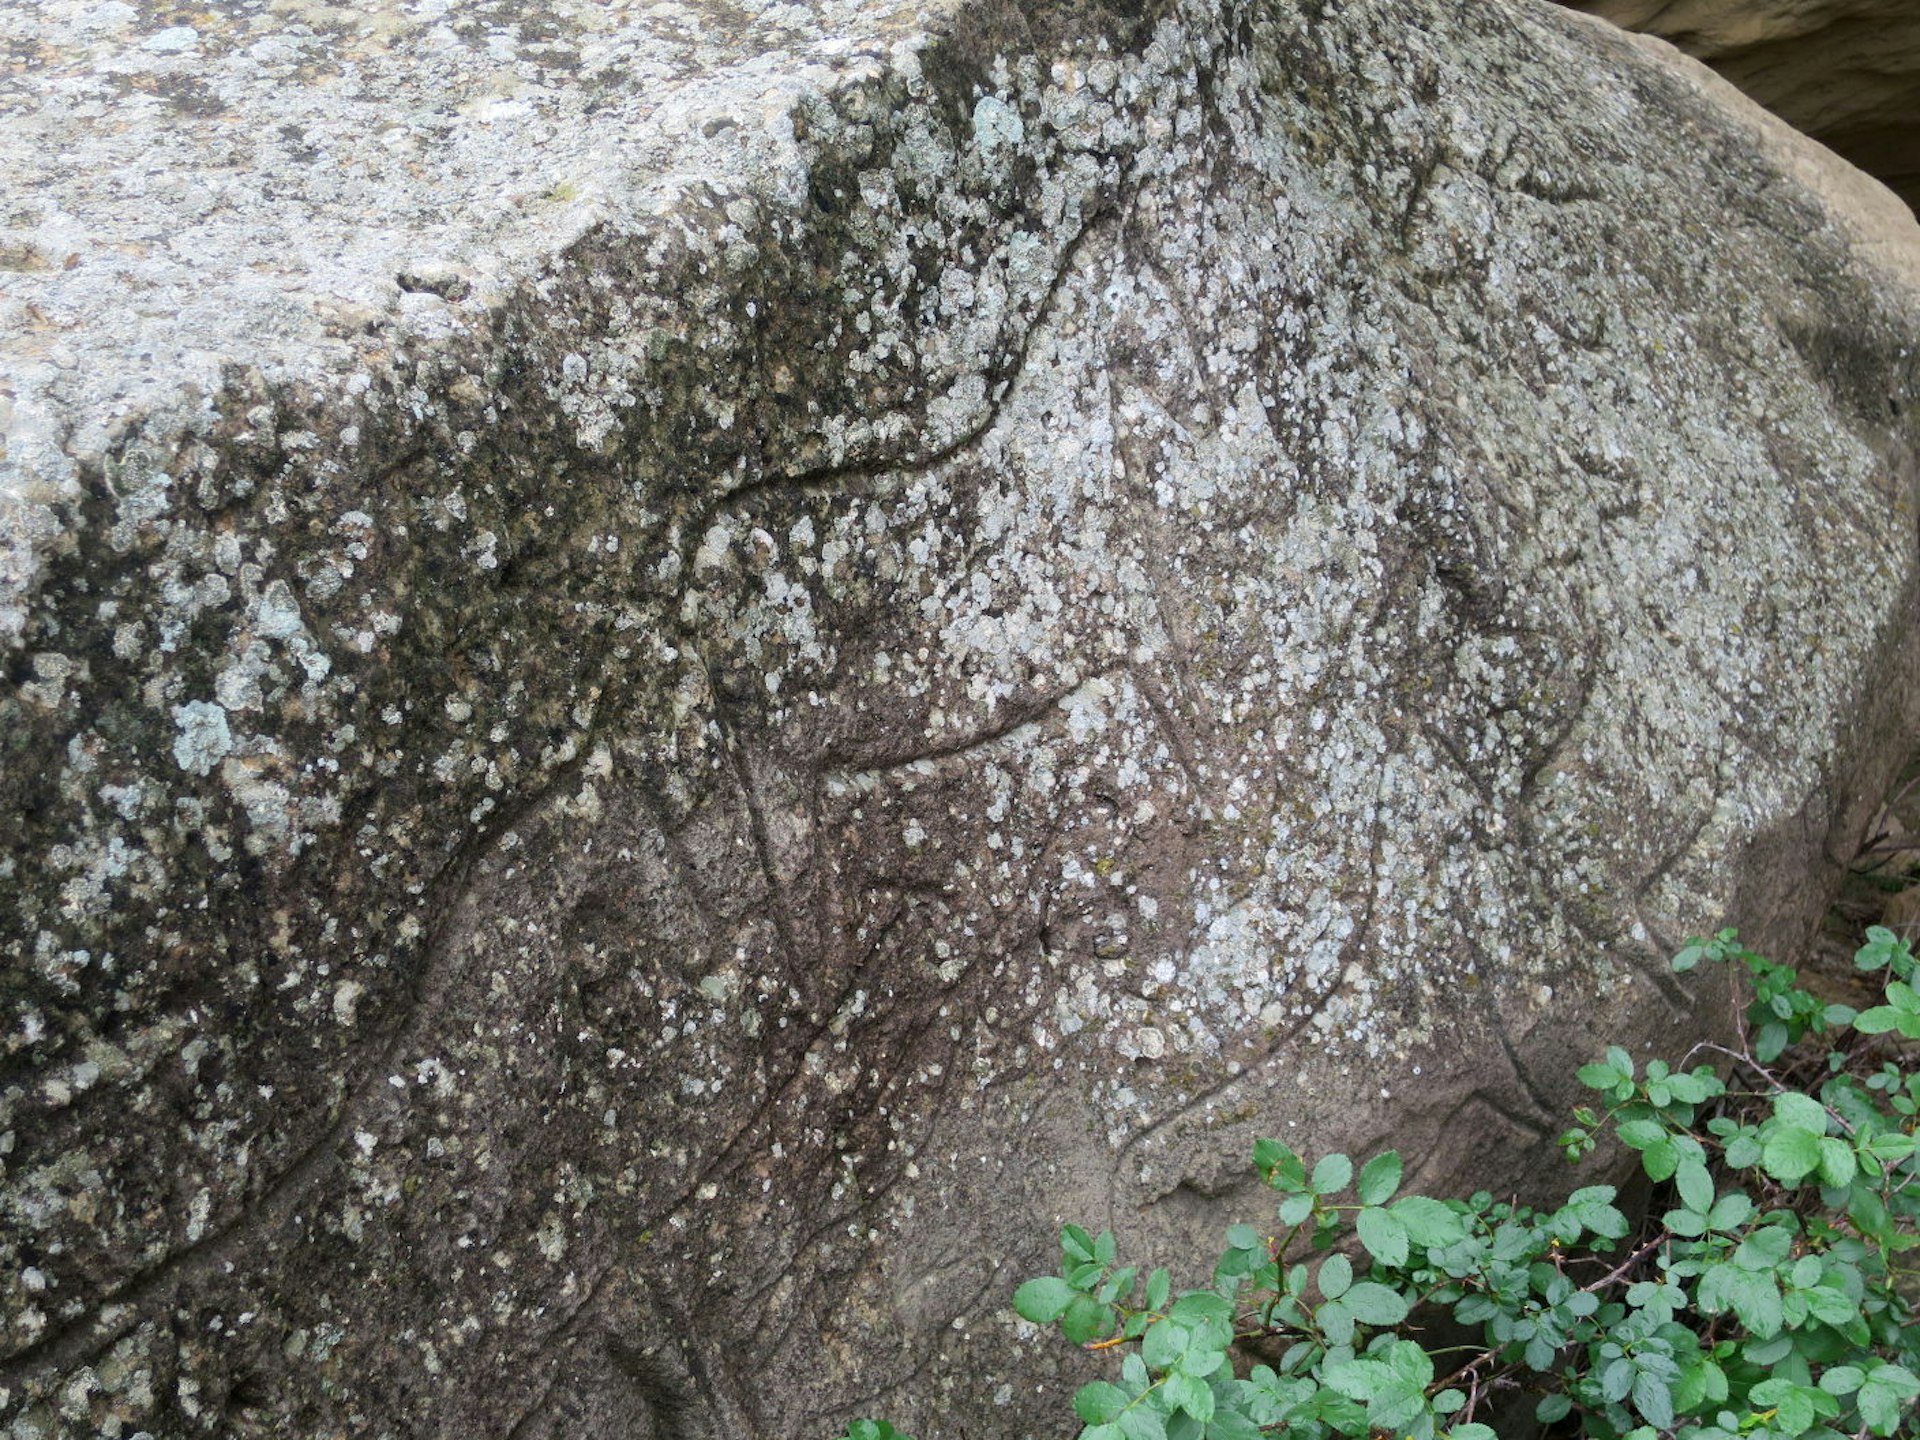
(675, 674)
(1847, 72)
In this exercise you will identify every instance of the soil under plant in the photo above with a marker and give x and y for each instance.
(1882, 887)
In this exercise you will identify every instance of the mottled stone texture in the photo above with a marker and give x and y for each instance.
(674, 674)
(1847, 72)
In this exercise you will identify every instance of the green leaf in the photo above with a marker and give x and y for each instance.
(1086, 1319)
(1660, 1160)
(1164, 1343)
(1474, 1431)
(1428, 1222)
(1792, 1407)
(1880, 942)
(1695, 1186)
(1842, 1379)
(1901, 1012)
(1374, 1304)
(1892, 1147)
(1043, 1301)
(1639, 1134)
(1231, 1423)
(1691, 1088)
(1730, 1212)
(1244, 1237)
(874, 1430)
(1791, 1154)
(1616, 1379)
(1159, 1286)
(1883, 1395)
(1143, 1422)
(1335, 1321)
(1204, 1307)
(1552, 1408)
(1752, 1295)
(1411, 1363)
(1100, 1401)
(1802, 1112)
(1380, 1178)
(1653, 1397)
(1867, 1211)
(1384, 1235)
(1332, 1175)
(1830, 1306)
(1877, 1021)
(1593, 1207)
(1770, 1041)
(1837, 1163)
(1336, 1276)
(1700, 1382)
(1279, 1166)
(1685, 1222)
(1766, 1248)
(1767, 1353)
(1206, 1355)
(1393, 1392)
(1193, 1395)
(1295, 1209)
(1882, 947)
(1358, 1379)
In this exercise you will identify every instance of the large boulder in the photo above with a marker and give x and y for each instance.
(1847, 72)
(675, 674)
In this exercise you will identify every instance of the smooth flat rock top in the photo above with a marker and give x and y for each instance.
(275, 183)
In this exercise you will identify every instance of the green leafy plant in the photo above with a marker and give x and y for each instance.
(1767, 1295)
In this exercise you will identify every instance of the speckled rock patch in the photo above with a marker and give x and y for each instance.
(1845, 71)
(674, 674)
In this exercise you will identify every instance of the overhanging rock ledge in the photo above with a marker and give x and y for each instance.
(674, 675)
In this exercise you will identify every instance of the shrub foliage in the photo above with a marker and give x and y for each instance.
(1768, 1294)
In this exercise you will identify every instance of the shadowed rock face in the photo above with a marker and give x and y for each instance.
(1847, 72)
(673, 680)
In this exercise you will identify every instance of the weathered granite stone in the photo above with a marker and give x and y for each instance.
(675, 673)
(1847, 72)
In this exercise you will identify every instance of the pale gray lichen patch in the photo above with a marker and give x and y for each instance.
(204, 738)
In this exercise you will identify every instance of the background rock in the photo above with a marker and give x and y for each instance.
(675, 677)
(1847, 72)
